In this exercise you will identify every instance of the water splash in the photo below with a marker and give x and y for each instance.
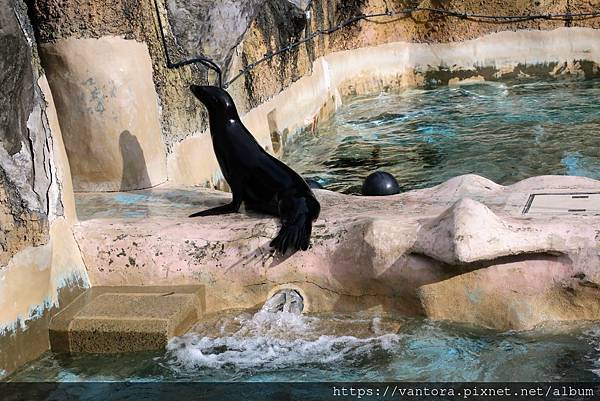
(268, 342)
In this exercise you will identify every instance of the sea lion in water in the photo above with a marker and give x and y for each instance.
(380, 183)
(256, 178)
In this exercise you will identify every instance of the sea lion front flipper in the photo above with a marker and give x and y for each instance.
(232, 207)
(296, 225)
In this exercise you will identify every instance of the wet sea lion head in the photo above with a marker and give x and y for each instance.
(216, 100)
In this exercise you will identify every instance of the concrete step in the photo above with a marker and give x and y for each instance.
(125, 319)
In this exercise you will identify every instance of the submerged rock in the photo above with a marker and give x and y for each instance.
(289, 301)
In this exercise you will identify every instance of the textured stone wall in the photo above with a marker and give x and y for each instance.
(24, 172)
(40, 265)
(199, 25)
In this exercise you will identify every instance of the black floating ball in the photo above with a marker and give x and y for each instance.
(380, 183)
(313, 184)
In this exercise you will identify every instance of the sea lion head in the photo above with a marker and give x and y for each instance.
(216, 100)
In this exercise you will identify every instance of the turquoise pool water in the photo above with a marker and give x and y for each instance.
(262, 346)
(503, 131)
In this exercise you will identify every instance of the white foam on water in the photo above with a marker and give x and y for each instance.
(594, 335)
(273, 340)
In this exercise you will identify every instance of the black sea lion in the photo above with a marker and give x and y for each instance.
(380, 183)
(256, 178)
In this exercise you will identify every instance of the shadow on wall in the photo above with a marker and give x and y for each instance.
(135, 172)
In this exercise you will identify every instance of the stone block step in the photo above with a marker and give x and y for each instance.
(126, 319)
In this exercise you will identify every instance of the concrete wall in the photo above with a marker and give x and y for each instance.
(108, 111)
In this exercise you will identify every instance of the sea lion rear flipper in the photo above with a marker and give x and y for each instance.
(296, 225)
(232, 207)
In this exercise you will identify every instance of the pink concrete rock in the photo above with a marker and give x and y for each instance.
(469, 232)
(518, 295)
(366, 253)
